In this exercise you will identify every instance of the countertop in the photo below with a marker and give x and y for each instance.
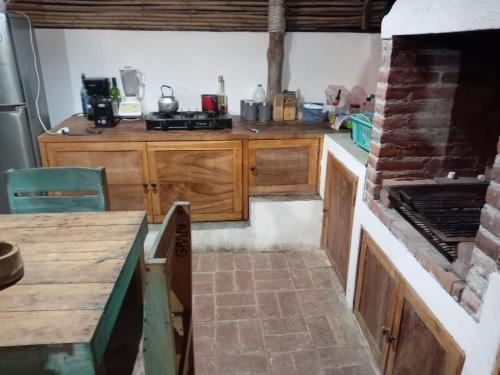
(135, 131)
(344, 140)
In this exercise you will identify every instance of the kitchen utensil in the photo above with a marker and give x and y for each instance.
(167, 103)
(210, 103)
(251, 110)
(130, 106)
(11, 264)
(188, 121)
(242, 108)
(265, 111)
(96, 87)
(362, 129)
(103, 113)
(313, 112)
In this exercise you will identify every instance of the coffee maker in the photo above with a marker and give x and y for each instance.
(97, 87)
(103, 113)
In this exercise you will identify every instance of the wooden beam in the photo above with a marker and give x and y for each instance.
(366, 14)
(275, 52)
(202, 15)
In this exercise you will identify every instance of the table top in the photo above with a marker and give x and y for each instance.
(135, 131)
(75, 267)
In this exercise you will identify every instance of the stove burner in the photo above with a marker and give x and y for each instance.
(444, 214)
(187, 121)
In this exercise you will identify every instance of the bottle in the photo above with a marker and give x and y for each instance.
(259, 95)
(221, 96)
(370, 105)
(83, 96)
(115, 95)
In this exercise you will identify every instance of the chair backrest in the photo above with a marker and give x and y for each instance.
(27, 190)
(168, 329)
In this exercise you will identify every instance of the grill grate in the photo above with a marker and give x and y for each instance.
(444, 214)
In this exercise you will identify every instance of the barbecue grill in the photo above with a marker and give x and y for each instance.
(445, 214)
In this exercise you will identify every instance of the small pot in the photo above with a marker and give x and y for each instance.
(11, 264)
(167, 103)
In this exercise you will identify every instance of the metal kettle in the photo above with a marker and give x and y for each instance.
(167, 103)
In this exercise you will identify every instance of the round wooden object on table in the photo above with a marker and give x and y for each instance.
(11, 264)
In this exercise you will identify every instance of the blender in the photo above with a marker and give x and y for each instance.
(130, 106)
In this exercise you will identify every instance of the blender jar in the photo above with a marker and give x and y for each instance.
(130, 81)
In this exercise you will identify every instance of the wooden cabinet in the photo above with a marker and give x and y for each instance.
(126, 169)
(338, 212)
(404, 335)
(376, 293)
(283, 166)
(207, 174)
(214, 175)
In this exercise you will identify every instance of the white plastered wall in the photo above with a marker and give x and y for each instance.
(191, 61)
(274, 225)
(409, 17)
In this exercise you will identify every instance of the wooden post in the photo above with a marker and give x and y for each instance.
(366, 15)
(275, 52)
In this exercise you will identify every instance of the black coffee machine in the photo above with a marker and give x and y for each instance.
(98, 87)
(99, 102)
(103, 113)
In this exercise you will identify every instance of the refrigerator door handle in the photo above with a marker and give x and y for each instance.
(11, 108)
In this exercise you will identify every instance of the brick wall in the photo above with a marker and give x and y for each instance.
(436, 110)
(485, 256)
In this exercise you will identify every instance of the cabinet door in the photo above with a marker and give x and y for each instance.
(283, 166)
(376, 296)
(207, 174)
(420, 344)
(126, 169)
(340, 196)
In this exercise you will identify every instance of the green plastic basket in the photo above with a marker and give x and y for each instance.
(362, 129)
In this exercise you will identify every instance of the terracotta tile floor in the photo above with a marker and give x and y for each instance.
(273, 313)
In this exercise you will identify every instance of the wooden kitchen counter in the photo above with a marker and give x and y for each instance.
(135, 131)
(215, 170)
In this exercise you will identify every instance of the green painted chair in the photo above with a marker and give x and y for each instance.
(168, 326)
(27, 190)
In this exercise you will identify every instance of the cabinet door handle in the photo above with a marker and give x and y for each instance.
(252, 169)
(146, 188)
(155, 188)
(386, 332)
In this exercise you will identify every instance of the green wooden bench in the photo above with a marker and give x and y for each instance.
(39, 190)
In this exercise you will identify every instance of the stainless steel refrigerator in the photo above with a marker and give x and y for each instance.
(19, 122)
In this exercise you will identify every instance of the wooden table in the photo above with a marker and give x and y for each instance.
(59, 317)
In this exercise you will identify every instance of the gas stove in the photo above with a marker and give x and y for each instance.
(188, 121)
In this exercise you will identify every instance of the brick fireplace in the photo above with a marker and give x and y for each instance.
(438, 110)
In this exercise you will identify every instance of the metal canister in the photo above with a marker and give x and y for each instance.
(265, 111)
